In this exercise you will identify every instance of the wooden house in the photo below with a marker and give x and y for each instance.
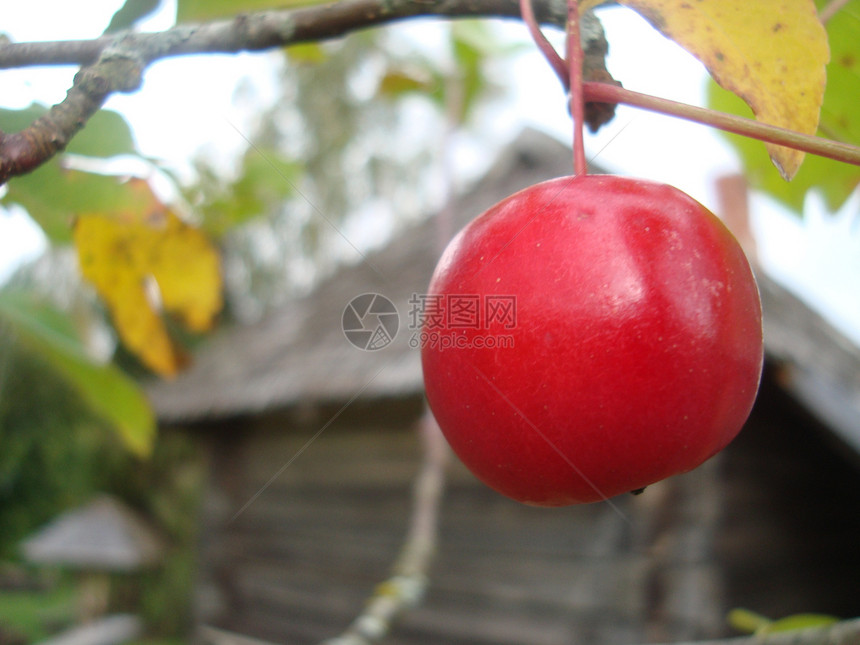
(313, 451)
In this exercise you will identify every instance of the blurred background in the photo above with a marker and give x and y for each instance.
(296, 163)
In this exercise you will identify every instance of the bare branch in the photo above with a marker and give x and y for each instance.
(121, 60)
(115, 64)
(24, 151)
(59, 52)
(408, 581)
(266, 30)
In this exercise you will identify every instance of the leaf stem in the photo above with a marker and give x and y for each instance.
(606, 93)
(577, 99)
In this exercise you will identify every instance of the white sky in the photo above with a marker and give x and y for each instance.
(819, 258)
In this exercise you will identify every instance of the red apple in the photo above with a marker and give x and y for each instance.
(589, 336)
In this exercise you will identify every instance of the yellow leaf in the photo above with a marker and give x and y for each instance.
(771, 53)
(187, 270)
(306, 53)
(146, 262)
(588, 5)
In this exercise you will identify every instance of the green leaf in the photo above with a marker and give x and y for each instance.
(800, 621)
(839, 116)
(748, 621)
(106, 134)
(201, 10)
(407, 80)
(839, 120)
(306, 53)
(265, 182)
(105, 389)
(17, 120)
(130, 12)
(472, 44)
(471, 49)
(54, 196)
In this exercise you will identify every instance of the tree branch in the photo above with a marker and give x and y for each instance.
(269, 29)
(116, 64)
(21, 152)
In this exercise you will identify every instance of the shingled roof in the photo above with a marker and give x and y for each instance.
(300, 353)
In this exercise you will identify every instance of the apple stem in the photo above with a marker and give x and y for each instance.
(569, 72)
(608, 93)
(555, 61)
(577, 97)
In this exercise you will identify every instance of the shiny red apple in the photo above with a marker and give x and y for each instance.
(589, 336)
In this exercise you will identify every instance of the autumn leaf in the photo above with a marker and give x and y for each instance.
(770, 53)
(833, 180)
(147, 262)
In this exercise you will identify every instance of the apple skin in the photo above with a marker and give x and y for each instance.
(635, 355)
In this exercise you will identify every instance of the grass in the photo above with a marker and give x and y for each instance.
(36, 615)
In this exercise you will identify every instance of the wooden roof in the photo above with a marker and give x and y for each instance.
(103, 535)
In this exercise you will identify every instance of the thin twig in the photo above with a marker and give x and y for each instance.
(115, 64)
(269, 29)
(555, 61)
(408, 581)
